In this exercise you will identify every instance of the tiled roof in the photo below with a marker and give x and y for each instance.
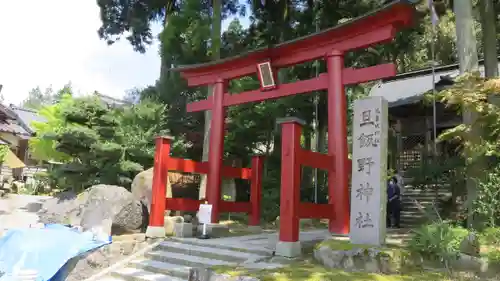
(17, 121)
(10, 126)
(26, 117)
(409, 88)
(9, 122)
(110, 101)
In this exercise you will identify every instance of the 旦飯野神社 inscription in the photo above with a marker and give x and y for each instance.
(369, 160)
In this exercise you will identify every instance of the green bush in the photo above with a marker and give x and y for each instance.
(438, 241)
(487, 203)
(490, 236)
(493, 256)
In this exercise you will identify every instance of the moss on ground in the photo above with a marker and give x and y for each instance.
(310, 271)
(392, 250)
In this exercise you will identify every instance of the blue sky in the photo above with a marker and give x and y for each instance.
(57, 42)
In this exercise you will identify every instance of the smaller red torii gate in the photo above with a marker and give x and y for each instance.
(377, 27)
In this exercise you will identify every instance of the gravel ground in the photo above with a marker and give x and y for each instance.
(19, 211)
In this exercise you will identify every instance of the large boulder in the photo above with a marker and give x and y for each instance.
(95, 206)
(142, 188)
(115, 203)
(64, 208)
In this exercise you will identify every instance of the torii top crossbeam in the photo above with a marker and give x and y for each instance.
(378, 26)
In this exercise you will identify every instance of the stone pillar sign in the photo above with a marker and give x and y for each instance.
(369, 170)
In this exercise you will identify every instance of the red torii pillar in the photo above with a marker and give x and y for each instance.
(216, 151)
(376, 27)
(338, 181)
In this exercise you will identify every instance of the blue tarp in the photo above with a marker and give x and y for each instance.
(45, 250)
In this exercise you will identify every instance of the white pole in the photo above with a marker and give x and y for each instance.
(434, 22)
(434, 111)
(204, 229)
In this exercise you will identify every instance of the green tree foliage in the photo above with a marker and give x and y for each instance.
(37, 98)
(42, 145)
(92, 139)
(471, 93)
(97, 144)
(139, 125)
(186, 39)
(4, 149)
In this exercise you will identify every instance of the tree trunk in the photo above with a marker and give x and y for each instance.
(466, 39)
(488, 24)
(166, 59)
(468, 60)
(215, 48)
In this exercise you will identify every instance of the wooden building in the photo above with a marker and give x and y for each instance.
(15, 131)
(411, 136)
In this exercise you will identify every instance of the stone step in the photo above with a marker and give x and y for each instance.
(419, 197)
(136, 274)
(424, 193)
(110, 278)
(184, 260)
(161, 268)
(217, 246)
(207, 252)
(415, 216)
(441, 190)
(416, 213)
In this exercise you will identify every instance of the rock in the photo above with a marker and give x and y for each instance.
(64, 208)
(354, 260)
(204, 274)
(470, 245)
(95, 205)
(132, 217)
(86, 265)
(130, 238)
(188, 218)
(142, 187)
(115, 203)
(169, 224)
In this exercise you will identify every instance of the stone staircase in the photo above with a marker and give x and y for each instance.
(171, 260)
(414, 215)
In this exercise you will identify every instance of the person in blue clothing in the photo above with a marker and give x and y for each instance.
(393, 203)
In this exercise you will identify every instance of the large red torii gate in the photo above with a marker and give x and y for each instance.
(379, 26)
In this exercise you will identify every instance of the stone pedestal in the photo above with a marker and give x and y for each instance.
(183, 229)
(169, 224)
(288, 249)
(155, 232)
(214, 229)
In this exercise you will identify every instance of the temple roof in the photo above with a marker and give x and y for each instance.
(408, 88)
(395, 10)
